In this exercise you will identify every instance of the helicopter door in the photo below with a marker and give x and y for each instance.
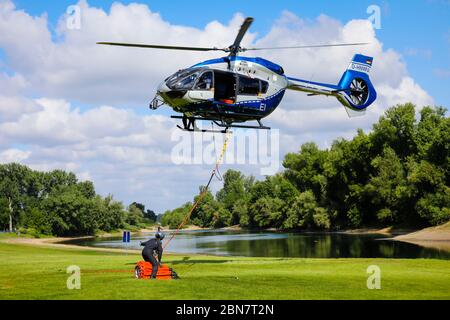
(204, 87)
(225, 87)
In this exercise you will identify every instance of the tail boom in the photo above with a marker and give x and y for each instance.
(354, 90)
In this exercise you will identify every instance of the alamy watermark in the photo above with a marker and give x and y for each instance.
(73, 21)
(245, 147)
(74, 280)
(374, 13)
(374, 279)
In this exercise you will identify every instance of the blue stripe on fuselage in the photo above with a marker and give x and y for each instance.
(262, 62)
(271, 102)
(252, 106)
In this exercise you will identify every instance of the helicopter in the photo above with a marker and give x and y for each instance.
(232, 90)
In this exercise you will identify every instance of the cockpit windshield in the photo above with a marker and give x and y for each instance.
(183, 79)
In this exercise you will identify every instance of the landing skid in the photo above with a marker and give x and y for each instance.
(201, 130)
(190, 126)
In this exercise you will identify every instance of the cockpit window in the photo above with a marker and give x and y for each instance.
(205, 82)
(183, 80)
(178, 75)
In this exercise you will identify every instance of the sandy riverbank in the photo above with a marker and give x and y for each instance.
(386, 231)
(59, 242)
(434, 237)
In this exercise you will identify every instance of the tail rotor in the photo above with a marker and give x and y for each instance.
(359, 91)
(355, 90)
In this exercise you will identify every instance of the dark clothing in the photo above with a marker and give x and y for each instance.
(151, 247)
(153, 261)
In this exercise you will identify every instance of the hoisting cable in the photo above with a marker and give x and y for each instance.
(204, 191)
(218, 174)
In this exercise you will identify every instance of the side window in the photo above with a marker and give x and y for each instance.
(264, 86)
(248, 86)
(205, 82)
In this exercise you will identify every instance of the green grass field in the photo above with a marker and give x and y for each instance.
(31, 272)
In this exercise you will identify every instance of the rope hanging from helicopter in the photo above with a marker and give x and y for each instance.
(215, 173)
(218, 174)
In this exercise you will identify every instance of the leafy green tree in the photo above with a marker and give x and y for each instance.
(432, 135)
(435, 207)
(388, 188)
(203, 215)
(321, 218)
(38, 221)
(396, 130)
(221, 217)
(355, 216)
(54, 203)
(438, 148)
(233, 189)
(347, 170)
(424, 177)
(4, 214)
(111, 214)
(150, 215)
(140, 206)
(304, 213)
(277, 188)
(248, 183)
(305, 169)
(265, 211)
(13, 178)
(239, 213)
(70, 212)
(174, 218)
(87, 189)
(58, 179)
(134, 216)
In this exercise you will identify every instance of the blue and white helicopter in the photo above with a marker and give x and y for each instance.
(232, 90)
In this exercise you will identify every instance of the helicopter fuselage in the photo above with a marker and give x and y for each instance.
(230, 89)
(236, 89)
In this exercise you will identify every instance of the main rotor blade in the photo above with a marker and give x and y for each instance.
(306, 47)
(151, 46)
(244, 28)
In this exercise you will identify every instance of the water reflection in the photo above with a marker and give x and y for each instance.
(274, 244)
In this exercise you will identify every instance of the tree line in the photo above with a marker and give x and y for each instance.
(56, 203)
(398, 174)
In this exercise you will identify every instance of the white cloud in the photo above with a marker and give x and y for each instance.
(12, 107)
(127, 153)
(57, 123)
(13, 155)
(75, 68)
(407, 90)
(12, 102)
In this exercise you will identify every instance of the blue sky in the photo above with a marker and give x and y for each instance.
(419, 29)
(73, 105)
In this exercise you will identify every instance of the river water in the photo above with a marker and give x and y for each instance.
(279, 244)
